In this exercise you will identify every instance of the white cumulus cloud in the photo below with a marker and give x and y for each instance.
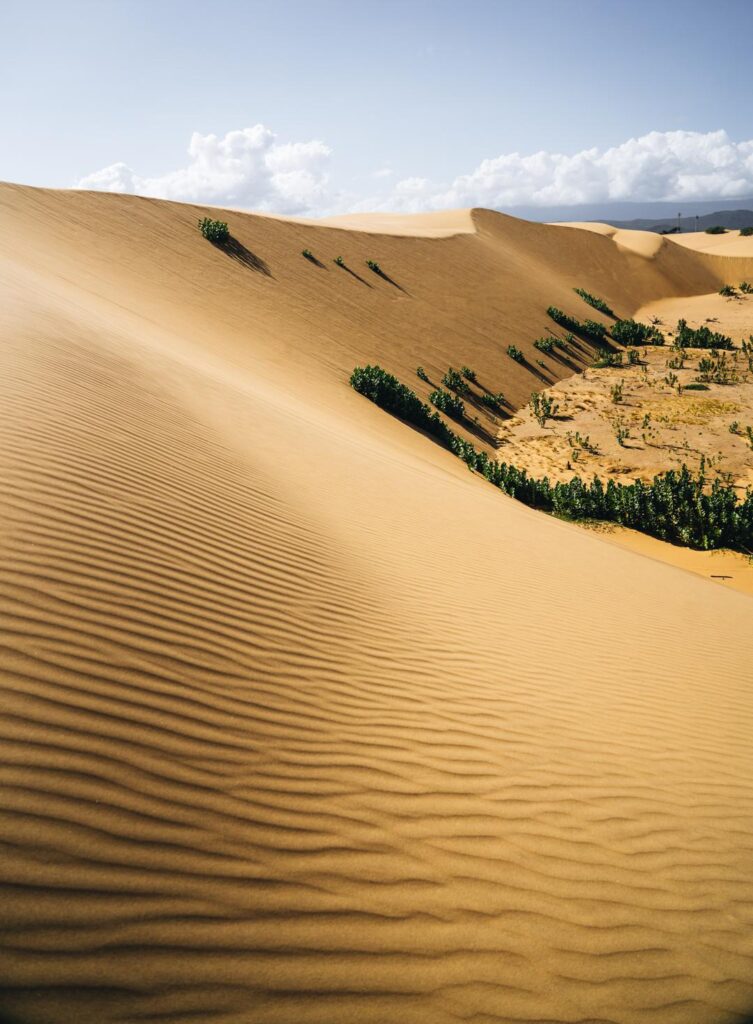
(246, 168)
(250, 168)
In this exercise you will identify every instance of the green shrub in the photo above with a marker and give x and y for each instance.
(308, 254)
(716, 230)
(455, 382)
(422, 374)
(716, 369)
(373, 265)
(543, 407)
(727, 291)
(746, 287)
(515, 353)
(339, 261)
(734, 427)
(677, 362)
(700, 337)
(215, 231)
(544, 345)
(570, 323)
(633, 357)
(621, 431)
(676, 506)
(616, 392)
(694, 386)
(745, 232)
(593, 301)
(630, 332)
(593, 329)
(447, 403)
(469, 374)
(606, 358)
(493, 402)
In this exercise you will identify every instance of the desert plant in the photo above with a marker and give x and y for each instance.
(746, 232)
(494, 402)
(621, 431)
(717, 229)
(469, 374)
(734, 427)
(215, 231)
(308, 254)
(544, 345)
(543, 407)
(339, 261)
(607, 359)
(593, 329)
(677, 362)
(700, 337)
(695, 386)
(728, 291)
(388, 393)
(447, 403)
(633, 357)
(570, 323)
(749, 436)
(422, 374)
(455, 382)
(514, 353)
(746, 287)
(616, 391)
(373, 265)
(593, 301)
(631, 332)
(716, 369)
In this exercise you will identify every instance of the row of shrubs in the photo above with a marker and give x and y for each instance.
(676, 506)
(594, 301)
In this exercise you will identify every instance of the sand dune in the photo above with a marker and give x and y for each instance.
(301, 721)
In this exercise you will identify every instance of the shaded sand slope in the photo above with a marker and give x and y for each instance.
(301, 722)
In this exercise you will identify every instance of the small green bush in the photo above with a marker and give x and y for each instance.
(543, 407)
(746, 287)
(308, 255)
(717, 229)
(607, 359)
(422, 374)
(514, 353)
(700, 337)
(544, 345)
(727, 291)
(493, 402)
(633, 357)
(215, 231)
(593, 301)
(593, 329)
(469, 374)
(616, 392)
(630, 332)
(746, 232)
(455, 382)
(373, 265)
(388, 393)
(447, 403)
(694, 386)
(570, 323)
(339, 261)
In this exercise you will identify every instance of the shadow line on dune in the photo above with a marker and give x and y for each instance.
(238, 252)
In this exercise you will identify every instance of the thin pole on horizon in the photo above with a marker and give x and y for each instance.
(679, 226)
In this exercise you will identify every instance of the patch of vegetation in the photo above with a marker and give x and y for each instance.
(593, 329)
(469, 374)
(676, 506)
(700, 337)
(695, 386)
(455, 382)
(746, 232)
(373, 265)
(677, 362)
(593, 301)
(621, 431)
(576, 440)
(717, 229)
(544, 345)
(514, 353)
(746, 287)
(493, 402)
(215, 231)
(734, 427)
(563, 319)
(630, 332)
(308, 254)
(422, 374)
(716, 369)
(633, 357)
(339, 261)
(728, 291)
(607, 359)
(543, 407)
(616, 392)
(447, 403)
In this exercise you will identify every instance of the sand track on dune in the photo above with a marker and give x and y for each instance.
(302, 722)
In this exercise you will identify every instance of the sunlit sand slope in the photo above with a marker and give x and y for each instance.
(301, 721)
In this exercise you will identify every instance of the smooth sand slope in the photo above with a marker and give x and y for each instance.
(301, 721)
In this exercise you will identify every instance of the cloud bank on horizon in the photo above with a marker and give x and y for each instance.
(250, 168)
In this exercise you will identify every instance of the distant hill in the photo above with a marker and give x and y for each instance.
(732, 219)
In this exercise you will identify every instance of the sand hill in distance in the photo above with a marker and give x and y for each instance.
(303, 722)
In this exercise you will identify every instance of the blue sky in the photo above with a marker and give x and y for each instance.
(432, 92)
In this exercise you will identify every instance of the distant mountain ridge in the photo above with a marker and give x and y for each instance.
(730, 219)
